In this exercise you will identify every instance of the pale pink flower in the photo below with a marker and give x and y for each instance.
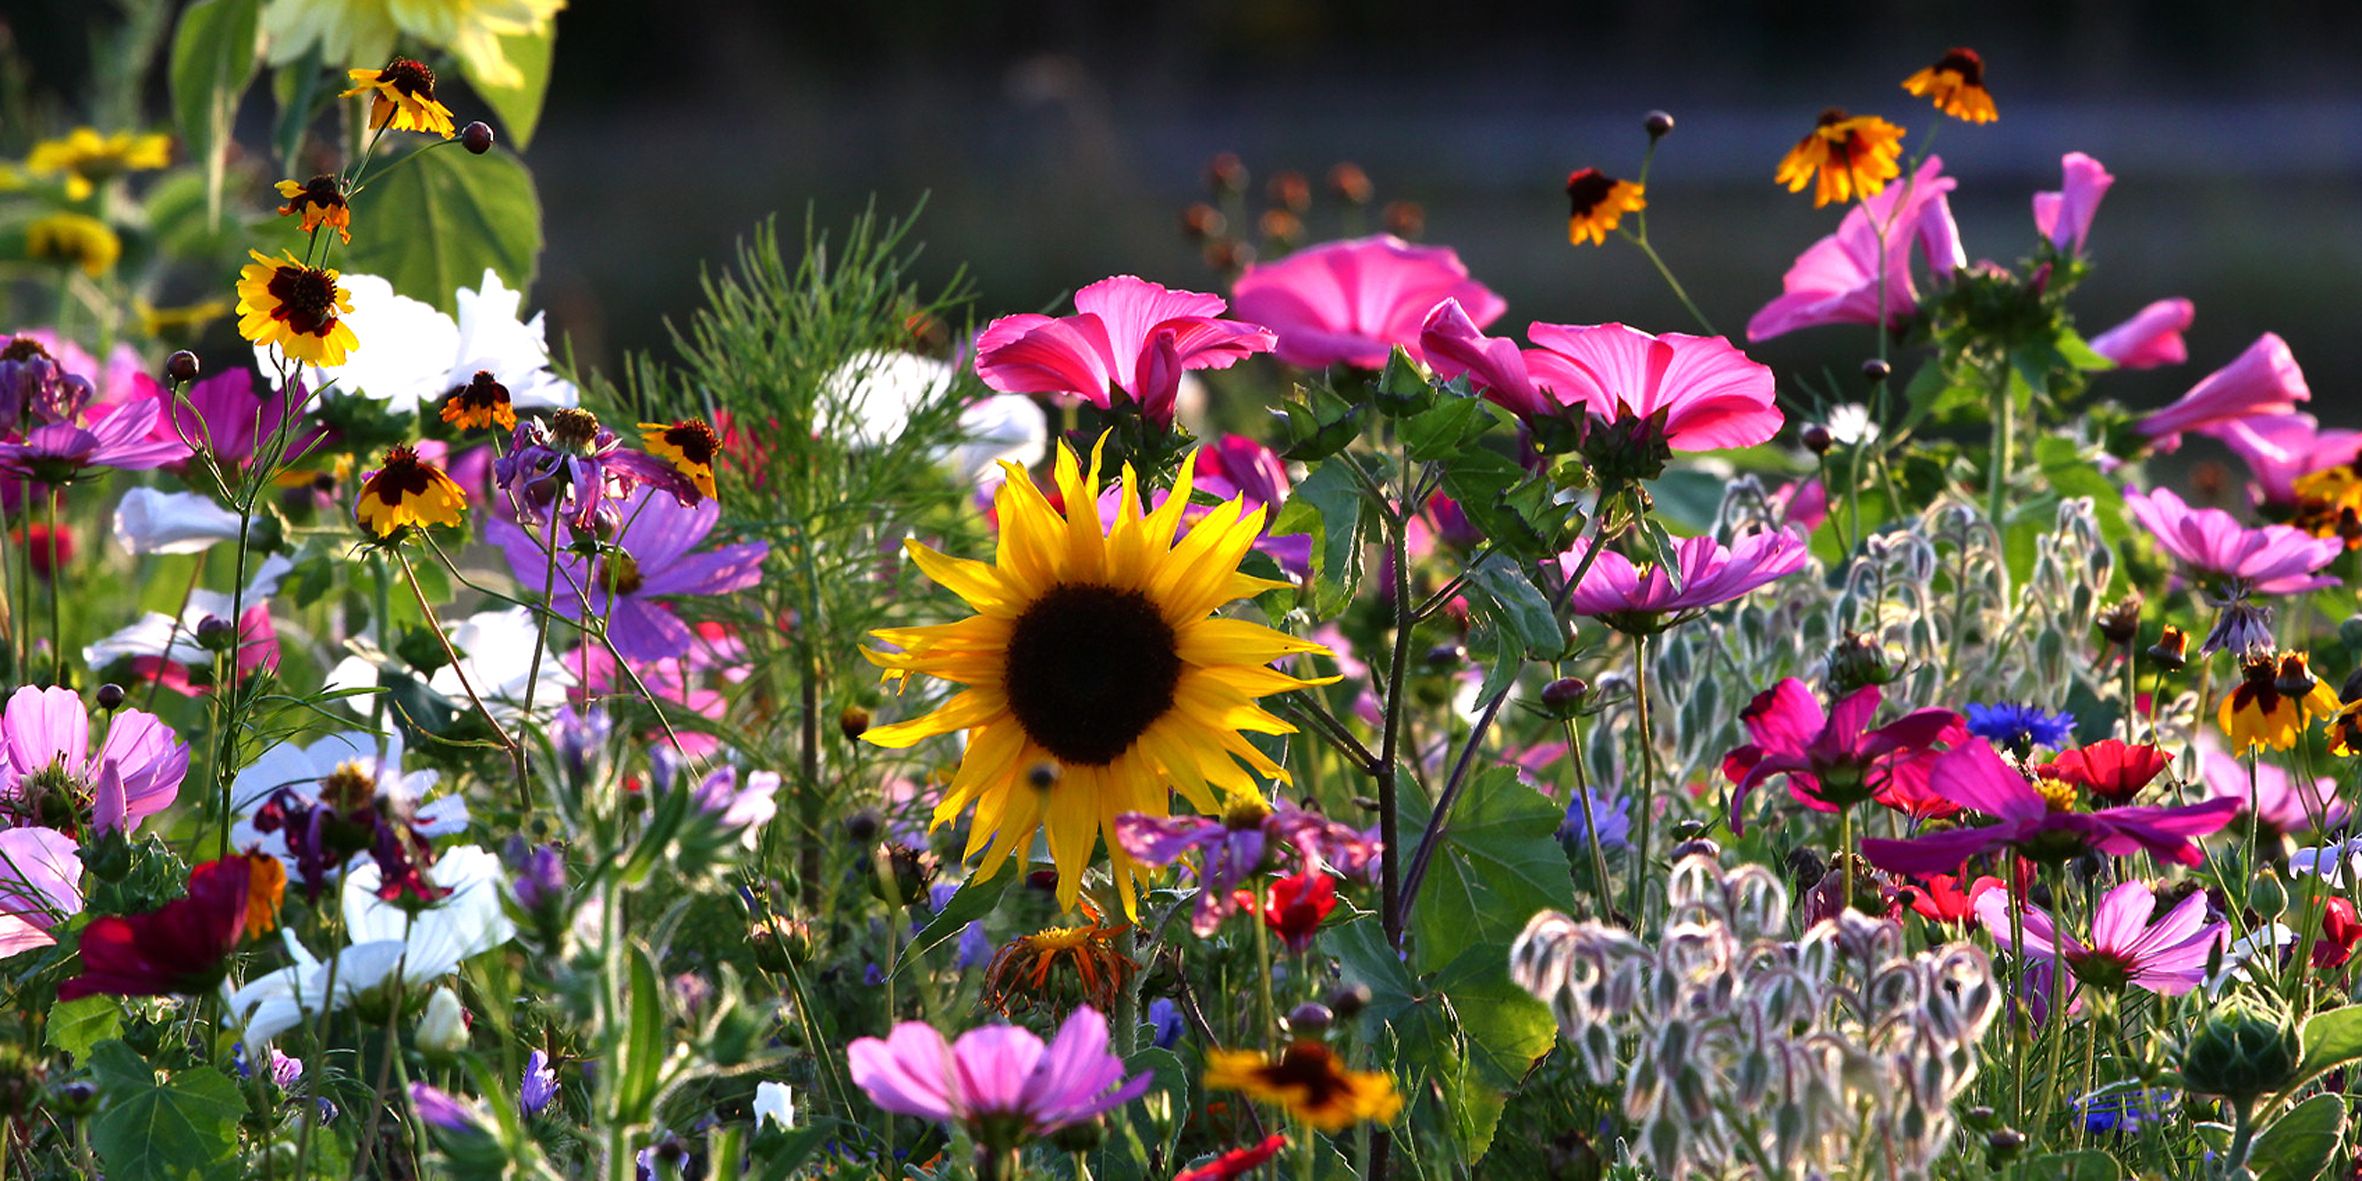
(1128, 336)
(2282, 803)
(1352, 302)
(2263, 380)
(40, 886)
(2270, 560)
(2064, 217)
(998, 1081)
(1835, 280)
(2152, 337)
(2167, 957)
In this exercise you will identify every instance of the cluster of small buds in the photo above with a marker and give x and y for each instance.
(1735, 1042)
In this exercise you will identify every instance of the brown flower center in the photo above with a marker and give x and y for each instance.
(694, 439)
(24, 348)
(1587, 189)
(1090, 669)
(1964, 62)
(307, 298)
(574, 428)
(410, 77)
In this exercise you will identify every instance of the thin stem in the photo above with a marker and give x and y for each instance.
(1648, 774)
(435, 625)
(549, 585)
(1392, 913)
(2004, 446)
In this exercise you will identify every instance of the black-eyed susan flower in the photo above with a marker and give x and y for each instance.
(319, 202)
(1064, 965)
(2345, 730)
(1956, 84)
(88, 159)
(75, 240)
(1096, 680)
(402, 97)
(481, 404)
(689, 445)
(1849, 155)
(1308, 1082)
(1600, 201)
(298, 308)
(408, 491)
(2276, 700)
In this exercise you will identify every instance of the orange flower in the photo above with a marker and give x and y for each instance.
(1957, 85)
(320, 202)
(1599, 202)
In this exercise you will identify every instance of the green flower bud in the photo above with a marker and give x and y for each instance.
(2241, 1053)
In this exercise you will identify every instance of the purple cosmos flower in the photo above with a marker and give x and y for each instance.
(1352, 302)
(744, 809)
(1836, 759)
(1974, 777)
(999, 1081)
(1836, 280)
(2065, 216)
(40, 885)
(121, 438)
(32, 375)
(2167, 957)
(2280, 803)
(2210, 543)
(2281, 448)
(651, 561)
(2263, 380)
(2151, 338)
(577, 471)
(1638, 597)
(50, 770)
(1235, 847)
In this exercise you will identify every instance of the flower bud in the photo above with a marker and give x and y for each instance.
(216, 634)
(2121, 622)
(2003, 1146)
(900, 874)
(476, 137)
(853, 722)
(2172, 649)
(2241, 1053)
(1816, 438)
(110, 696)
(2267, 897)
(780, 943)
(1350, 183)
(75, 1098)
(1310, 1019)
(181, 368)
(442, 1030)
(1658, 124)
(1562, 697)
(1876, 370)
(1346, 1001)
(862, 827)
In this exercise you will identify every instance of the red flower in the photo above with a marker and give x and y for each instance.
(1238, 1162)
(2112, 770)
(2340, 930)
(183, 947)
(1295, 906)
(44, 552)
(1939, 899)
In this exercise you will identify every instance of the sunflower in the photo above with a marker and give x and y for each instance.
(283, 302)
(1600, 201)
(2274, 702)
(1095, 680)
(320, 202)
(408, 491)
(1309, 1082)
(1850, 153)
(480, 404)
(1091, 968)
(402, 97)
(689, 445)
(75, 240)
(88, 158)
(1956, 83)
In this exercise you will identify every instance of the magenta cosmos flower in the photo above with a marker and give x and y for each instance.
(2263, 380)
(2039, 826)
(1835, 760)
(1352, 302)
(2210, 543)
(2167, 957)
(628, 588)
(1236, 846)
(2280, 449)
(1638, 598)
(2152, 337)
(120, 437)
(1835, 280)
(49, 773)
(1128, 336)
(998, 1081)
(2065, 216)
(2283, 805)
(1710, 394)
(40, 886)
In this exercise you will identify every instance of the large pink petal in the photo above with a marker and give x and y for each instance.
(1131, 308)
(2152, 337)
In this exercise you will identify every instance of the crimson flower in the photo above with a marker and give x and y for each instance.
(2112, 770)
(1295, 905)
(1938, 898)
(2340, 930)
(1836, 760)
(1236, 1163)
(183, 947)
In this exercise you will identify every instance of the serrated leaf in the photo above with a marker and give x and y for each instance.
(215, 53)
(77, 1025)
(519, 106)
(1328, 507)
(151, 1128)
(2298, 1145)
(1507, 1029)
(1499, 862)
(1662, 551)
(432, 222)
(1445, 429)
(2332, 1039)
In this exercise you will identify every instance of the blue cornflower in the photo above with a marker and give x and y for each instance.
(1165, 1016)
(2129, 1112)
(1612, 814)
(2020, 727)
(539, 1086)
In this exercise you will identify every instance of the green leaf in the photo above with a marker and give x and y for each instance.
(2298, 1145)
(1507, 1028)
(1442, 431)
(2331, 1039)
(1328, 507)
(1512, 510)
(1662, 550)
(2090, 1164)
(2079, 353)
(433, 221)
(1498, 863)
(972, 901)
(77, 1025)
(1319, 426)
(1519, 606)
(640, 1066)
(1171, 1080)
(1401, 387)
(215, 53)
(519, 106)
(148, 1127)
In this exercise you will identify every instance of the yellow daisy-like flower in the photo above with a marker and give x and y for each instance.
(408, 491)
(75, 240)
(299, 308)
(689, 445)
(481, 404)
(2329, 503)
(1850, 154)
(319, 202)
(1096, 679)
(2274, 703)
(1600, 201)
(402, 97)
(89, 159)
(2345, 731)
(1956, 83)
(1309, 1082)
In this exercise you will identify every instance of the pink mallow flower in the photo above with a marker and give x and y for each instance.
(1638, 598)
(1835, 280)
(2167, 957)
(1832, 760)
(48, 763)
(1352, 302)
(2210, 543)
(2152, 337)
(1128, 336)
(40, 886)
(998, 1081)
(2065, 216)
(2263, 380)
(2282, 804)
(1710, 394)
(2280, 449)
(1973, 776)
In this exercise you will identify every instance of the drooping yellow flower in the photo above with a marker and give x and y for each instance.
(1309, 1082)
(319, 202)
(689, 445)
(89, 159)
(365, 30)
(1956, 84)
(481, 404)
(1600, 201)
(2275, 702)
(1096, 680)
(1087, 964)
(283, 302)
(1850, 154)
(75, 240)
(402, 97)
(408, 491)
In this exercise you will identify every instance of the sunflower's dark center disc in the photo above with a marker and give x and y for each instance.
(1090, 669)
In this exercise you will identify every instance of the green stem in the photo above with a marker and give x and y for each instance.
(2004, 446)
(1648, 777)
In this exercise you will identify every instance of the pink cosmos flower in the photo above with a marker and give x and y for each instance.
(2263, 380)
(2281, 803)
(121, 438)
(1835, 280)
(45, 749)
(2283, 448)
(1233, 849)
(1973, 776)
(1711, 394)
(1127, 336)
(2167, 957)
(2064, 217)
(998, 1081)
(1638, 597)
(40, 885)
(1352, 302)
(1832, 760)
(2271, 560)
(2152, 337)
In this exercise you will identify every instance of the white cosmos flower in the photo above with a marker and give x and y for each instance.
(776, 1103)
(870, 398)
(149, 521)
(496, 655)
(411, 354)
(1850, 423)
(999, 427)
(369, 761)
(2330, 861)
(156, 634)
